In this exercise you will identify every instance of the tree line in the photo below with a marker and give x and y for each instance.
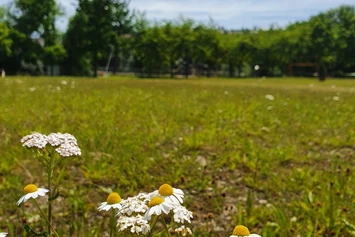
(108, 35)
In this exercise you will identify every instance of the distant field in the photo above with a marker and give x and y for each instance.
(281, 165)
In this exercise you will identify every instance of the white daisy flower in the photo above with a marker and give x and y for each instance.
(3, 234)
(34, 140)
(181, 214)
(157, 205)
(113, 201)
(170, 194)
(31, 191)
(242, 231)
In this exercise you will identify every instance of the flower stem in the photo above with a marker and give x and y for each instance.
(165, 225)
(50, 194)
(152, 226)
(112, 222)
(49, 224)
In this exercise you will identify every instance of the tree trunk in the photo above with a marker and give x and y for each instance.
(321, 72)
(230, 69)
(186, 69)
(171, 68)
(94, 64)
(116, 64)
(240, 70)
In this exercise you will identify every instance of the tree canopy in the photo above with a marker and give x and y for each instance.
(108, 35)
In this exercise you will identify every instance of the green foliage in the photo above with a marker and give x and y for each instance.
(5, 42)
(75, 43)
(39, 17)
(54, 54)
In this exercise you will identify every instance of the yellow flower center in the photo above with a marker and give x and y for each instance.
(155, 201)
(113, 198)
(241, 230)
(166, 190)
(30, 188)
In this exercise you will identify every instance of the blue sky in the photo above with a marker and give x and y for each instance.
(231, 14)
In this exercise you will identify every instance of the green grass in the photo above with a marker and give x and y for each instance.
(283, 167)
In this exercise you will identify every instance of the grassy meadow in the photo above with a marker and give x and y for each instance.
(281, 165)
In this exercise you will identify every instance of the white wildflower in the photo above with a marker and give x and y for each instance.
(136, 224)
(242, 231)
(181, 214)
(34, 140)
(170, 194)
(157, 205)
(134, 205)
(68, 145)
(31, 191)
(269, 97)
(113, 201)
(183, 231)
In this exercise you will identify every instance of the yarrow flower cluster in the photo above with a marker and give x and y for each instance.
(136, 204)
(34, 140)
(183, 231)
(136, 224)
(65, 144)
(139, 214)
(68, 145)
(181, 214)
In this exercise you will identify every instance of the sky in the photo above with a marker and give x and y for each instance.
(230, 14)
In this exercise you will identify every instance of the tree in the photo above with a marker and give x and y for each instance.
(343, 22)
(54, 54)
(37, 17)
(323, 38)
(76, 44)
(264, 53)
(206, 50)
(184, 43)
(170, 33)
(5, 41)
(101, 27)
(36, 21)
(148, 52)
(122, 23)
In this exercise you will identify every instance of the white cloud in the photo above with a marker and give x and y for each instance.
(237, 13)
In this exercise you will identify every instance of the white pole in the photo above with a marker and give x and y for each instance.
(109, 61)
